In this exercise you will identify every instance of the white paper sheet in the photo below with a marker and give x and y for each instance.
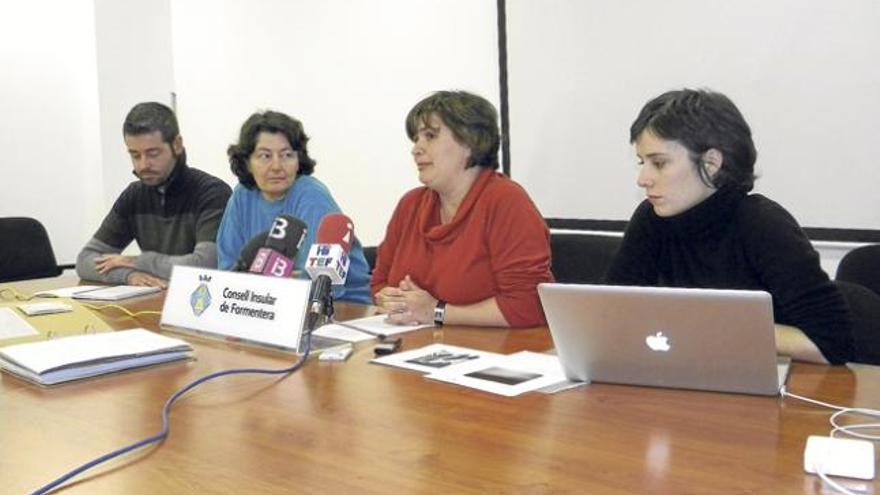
(12, 325)
(372, 326)
(44, 308)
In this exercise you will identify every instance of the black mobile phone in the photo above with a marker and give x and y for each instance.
(387, 346)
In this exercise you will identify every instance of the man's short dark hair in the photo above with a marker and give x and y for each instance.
(273, 123)
(149, 117)
(471, 118)
(702, 120)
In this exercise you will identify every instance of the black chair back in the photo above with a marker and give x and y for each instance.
(370, 254)
(864, 305)
(25, 250)
(861, 266)
(582, 258)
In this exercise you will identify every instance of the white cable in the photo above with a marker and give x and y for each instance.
(836, 427)
(786, 393)
(847, 429)
(844, 429)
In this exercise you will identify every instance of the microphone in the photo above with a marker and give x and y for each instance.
(327, 263)
(329, 254)
(280, 246)
(249, 252)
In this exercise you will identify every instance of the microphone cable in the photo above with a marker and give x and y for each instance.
(164, 433)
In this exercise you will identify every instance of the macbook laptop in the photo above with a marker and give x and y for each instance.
(704, 339)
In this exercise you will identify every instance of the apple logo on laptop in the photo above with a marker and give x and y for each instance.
(658, 342)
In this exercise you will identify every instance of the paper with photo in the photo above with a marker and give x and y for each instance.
(435, 357)
(373, 326)
(509, 375)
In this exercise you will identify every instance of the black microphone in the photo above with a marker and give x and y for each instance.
(249, 252)
(275, 255)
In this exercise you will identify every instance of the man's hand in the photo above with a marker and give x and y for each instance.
(107, 262)
(145, 279)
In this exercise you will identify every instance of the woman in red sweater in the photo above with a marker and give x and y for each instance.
(469, 247)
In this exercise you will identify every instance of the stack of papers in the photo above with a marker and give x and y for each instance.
(508, 375)
(82, 356)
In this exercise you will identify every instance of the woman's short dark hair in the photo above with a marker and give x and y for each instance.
(273, 123)
(471, 118)
(702, 120)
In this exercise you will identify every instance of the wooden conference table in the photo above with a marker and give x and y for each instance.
(355, 427)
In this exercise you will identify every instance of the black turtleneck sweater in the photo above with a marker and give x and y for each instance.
(737, 241)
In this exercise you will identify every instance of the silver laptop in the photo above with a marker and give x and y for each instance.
(705, 339)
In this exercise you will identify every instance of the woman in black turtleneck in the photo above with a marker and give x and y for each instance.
(699, 227)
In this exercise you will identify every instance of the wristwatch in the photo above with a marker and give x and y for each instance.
(439, 313)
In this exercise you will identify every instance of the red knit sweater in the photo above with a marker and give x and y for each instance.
(497, 245)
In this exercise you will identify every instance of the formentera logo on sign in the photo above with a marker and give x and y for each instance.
(200, 299)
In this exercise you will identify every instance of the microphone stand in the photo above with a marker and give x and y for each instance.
(319, 309)
(320, 304)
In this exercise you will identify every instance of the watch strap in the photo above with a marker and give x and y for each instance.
(440, 313)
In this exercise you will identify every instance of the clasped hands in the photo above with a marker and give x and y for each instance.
(406, 304)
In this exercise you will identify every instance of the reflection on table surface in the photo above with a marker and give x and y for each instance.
(358, 427)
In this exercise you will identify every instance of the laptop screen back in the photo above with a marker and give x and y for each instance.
(706, 339)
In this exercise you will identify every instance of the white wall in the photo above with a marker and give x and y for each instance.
(51, 166)
(350, 70)
(134, 65)
(805, 74)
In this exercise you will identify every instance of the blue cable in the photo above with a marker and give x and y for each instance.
(165, 410)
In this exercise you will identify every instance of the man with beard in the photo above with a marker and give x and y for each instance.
(172, 211)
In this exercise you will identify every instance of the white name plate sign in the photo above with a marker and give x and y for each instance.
(238, 306)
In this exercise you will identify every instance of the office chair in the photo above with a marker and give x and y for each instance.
(25, 250)
(370, 255)
(581, 258)
(861, 266)
(864, 306)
